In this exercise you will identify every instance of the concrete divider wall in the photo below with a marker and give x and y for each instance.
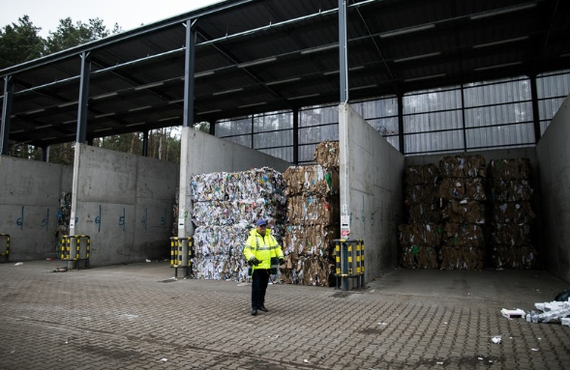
(371, 173)
(203, 153)
(207, 153)
(29, 205)
(124, 203)
(553, 152)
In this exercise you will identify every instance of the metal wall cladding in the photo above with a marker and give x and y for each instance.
(495, 114)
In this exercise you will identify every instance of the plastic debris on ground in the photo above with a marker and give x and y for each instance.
(511, 314)
(554, 311)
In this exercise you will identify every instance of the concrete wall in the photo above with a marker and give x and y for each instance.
(553, 153)
(204, 153)
(124, 203)
(29, 204)
(371, 182)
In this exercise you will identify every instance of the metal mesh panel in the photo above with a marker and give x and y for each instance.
(385, 126)
(499, 92)
(385, 107)
(549, 85)
(283, 153)
(497, 136)
(433, 100)
(307, 153)
(314, 135)
(433, 141)
(270, 122)
(432, 121)
(552, 90)
(244, 140)
(273, 139)
(498, 114)
(318, 116)
(233, 127)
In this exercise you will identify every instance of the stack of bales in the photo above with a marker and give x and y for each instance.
(312, 219)
(510, 196)
(463, 198)
(224, 210)
(420, 237)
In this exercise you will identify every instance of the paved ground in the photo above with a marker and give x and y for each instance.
(137, 317)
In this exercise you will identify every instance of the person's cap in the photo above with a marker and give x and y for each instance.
(261, 222)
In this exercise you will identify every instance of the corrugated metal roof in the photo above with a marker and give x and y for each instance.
(268, 55)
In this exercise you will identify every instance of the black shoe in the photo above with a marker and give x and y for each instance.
(254, 311)
(262, 308)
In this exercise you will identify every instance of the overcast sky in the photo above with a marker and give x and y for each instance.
(128, 14)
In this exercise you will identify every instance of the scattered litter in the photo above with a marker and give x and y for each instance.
(50, 259)
(163, 359)
(148, 260)
(480, 358)
(130, 316)
(534, 349)
(511, 314)
(554, 311)
(244, 284)
(382, 323)
(439, 362)
(19, 263)
(306, 361)
(60, 269)
(550, 306)
(496, 339)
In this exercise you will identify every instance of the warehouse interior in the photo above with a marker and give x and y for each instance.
(245, 58)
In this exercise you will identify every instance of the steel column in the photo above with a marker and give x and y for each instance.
(189, 62)
(296, 136)
(6, 114)
(145, 144)
(401, 123)
(535, 111)
(83, 101)
(343, 50)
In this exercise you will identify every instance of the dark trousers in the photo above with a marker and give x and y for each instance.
(260, 279)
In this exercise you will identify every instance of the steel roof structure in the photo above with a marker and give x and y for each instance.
(253, 56)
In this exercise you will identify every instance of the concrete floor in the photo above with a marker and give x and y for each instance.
(137, 317)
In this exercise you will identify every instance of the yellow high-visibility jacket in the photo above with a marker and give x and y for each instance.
(262, 247)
